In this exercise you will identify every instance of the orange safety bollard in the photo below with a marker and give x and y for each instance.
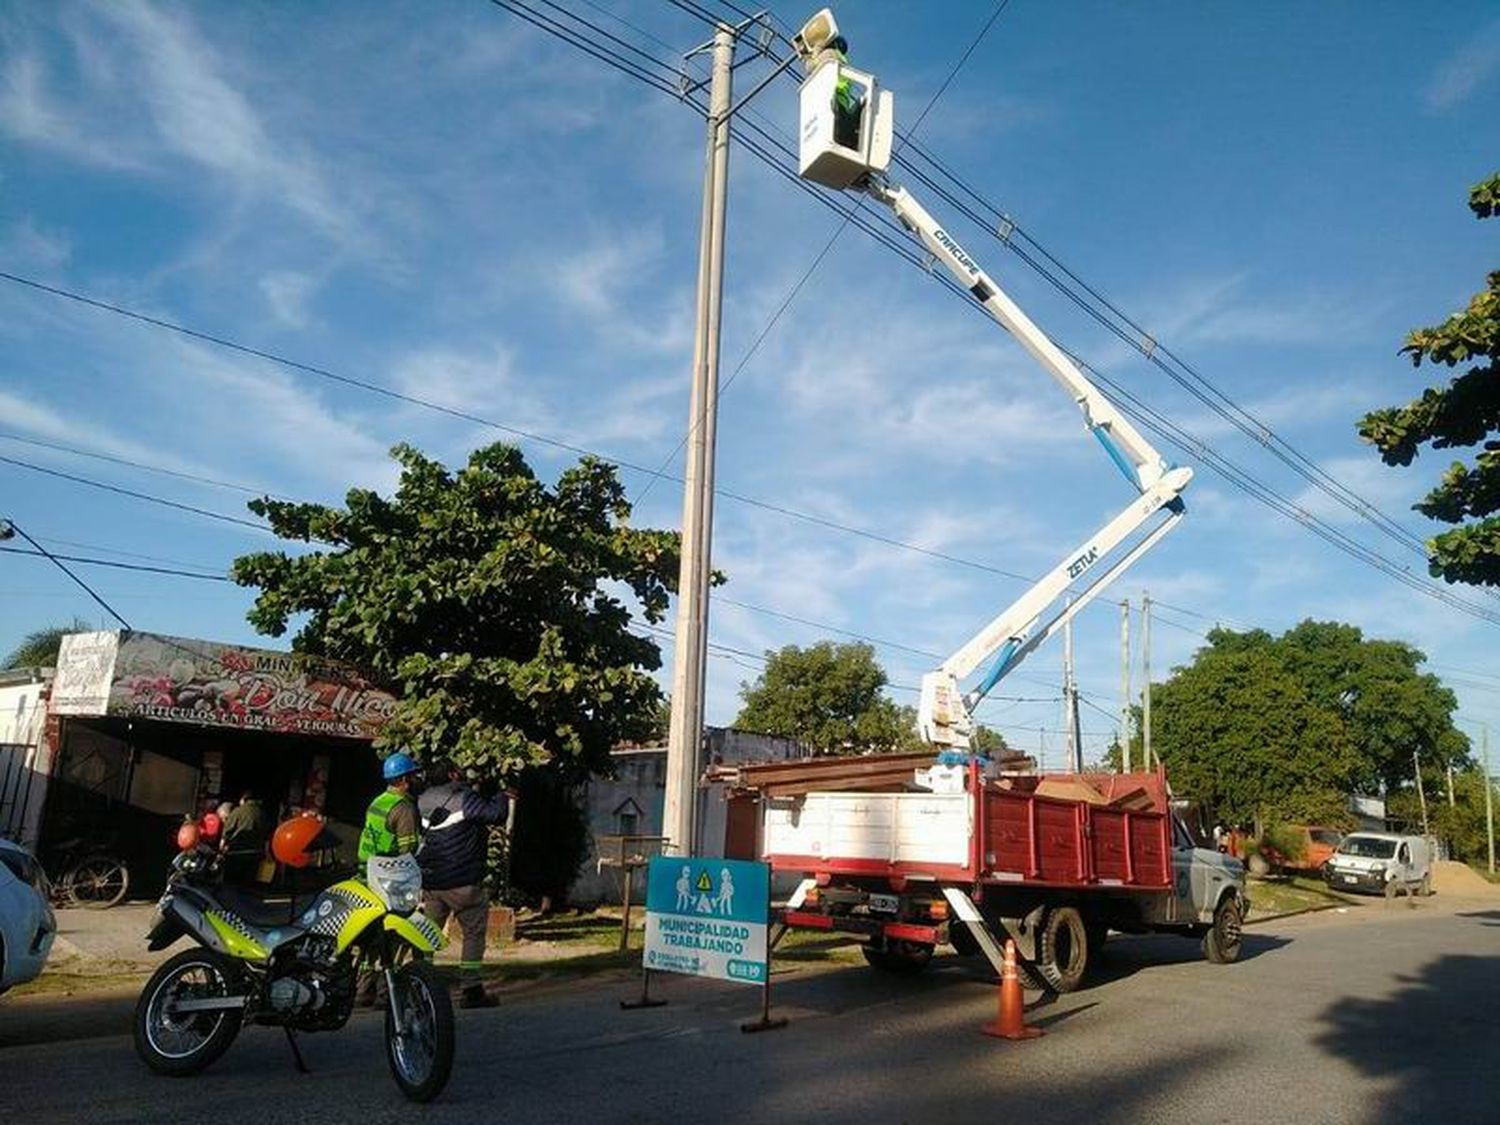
(1009, 1024)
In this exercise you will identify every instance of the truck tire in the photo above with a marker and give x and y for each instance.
(1063, 949)
(904, 958)
(1222, 942)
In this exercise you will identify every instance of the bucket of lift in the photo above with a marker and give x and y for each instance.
(847, 124)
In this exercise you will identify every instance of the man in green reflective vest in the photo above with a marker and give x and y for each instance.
(391, 822)
(392, 827)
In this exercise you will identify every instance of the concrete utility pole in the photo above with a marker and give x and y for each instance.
(690, 655)
(1416, 766)
(1125, 685)
(1070, 700)
(1489, 800)
(1146, 760)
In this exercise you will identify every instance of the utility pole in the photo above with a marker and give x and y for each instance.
(1416, 766)
(1070, 699)
(1450, 785)
(1146, 688)
(685, 736)
(1489, 800)
(1125, 685)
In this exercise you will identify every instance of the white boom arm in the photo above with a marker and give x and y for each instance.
(944, 714)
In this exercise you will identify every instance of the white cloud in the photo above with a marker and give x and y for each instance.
(606, 283)
(24, 245)
(1466, 71)
(1367, 477)
(143, 91)
(287, 293)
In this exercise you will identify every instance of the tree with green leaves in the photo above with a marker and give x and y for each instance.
(828, 696)
(486, 601)
(40, 649)
(1285, 728)
(987, 740)
(1463, 413)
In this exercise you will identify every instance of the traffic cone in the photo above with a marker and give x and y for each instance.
(1009, 1024)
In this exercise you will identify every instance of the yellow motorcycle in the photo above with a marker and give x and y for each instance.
(294, 967)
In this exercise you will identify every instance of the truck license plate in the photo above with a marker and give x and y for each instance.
(885, 904)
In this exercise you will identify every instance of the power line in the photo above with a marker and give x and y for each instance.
(10, 527)
(1236, 476)
(133, 494)
(132, 464)
(827, 246)
(85, 560)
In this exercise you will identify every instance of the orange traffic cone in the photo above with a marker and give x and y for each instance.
(1009, 1024)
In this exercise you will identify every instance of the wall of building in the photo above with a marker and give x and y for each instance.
(25, 760)
(632, 802)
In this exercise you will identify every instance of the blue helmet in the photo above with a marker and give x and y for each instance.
(399, 765)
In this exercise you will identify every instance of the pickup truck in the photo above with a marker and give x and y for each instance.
(1053, 861)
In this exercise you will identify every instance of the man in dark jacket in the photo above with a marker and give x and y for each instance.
(455, 834)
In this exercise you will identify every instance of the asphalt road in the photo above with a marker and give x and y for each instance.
(1373, 1016)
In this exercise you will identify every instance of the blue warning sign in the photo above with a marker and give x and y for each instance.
(708, 917)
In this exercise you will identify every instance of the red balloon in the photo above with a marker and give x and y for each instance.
(210, 825)
(187, 837)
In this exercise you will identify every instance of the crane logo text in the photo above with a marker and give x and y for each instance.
(957, 251)
(1083, 562)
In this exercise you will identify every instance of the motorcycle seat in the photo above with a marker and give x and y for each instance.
(264, 913)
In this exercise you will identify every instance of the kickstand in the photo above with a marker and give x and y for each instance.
(296, 1050)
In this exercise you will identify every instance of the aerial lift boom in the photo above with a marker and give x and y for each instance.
(846, 140)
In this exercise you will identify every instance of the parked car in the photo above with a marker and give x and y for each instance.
(27, 924)
(1383, 862)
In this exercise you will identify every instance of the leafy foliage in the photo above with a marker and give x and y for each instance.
(987, 740)
(828, 696)
(1284, 728)
(479, 597)
(1464, 413)
(39, 649)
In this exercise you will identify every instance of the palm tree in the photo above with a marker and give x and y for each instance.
(39, 649)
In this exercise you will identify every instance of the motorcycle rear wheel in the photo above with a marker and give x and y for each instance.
(422, 1058)
(187, 1042)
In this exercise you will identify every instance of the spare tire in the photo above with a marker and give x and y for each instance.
(1063, 949)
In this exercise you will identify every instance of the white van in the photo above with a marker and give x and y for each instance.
(1384, 862)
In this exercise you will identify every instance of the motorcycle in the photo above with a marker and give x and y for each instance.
(294, 967)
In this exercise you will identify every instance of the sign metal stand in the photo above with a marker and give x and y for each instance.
(766, 1023)
(646, 1000)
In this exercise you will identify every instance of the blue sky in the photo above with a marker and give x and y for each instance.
(440, 199)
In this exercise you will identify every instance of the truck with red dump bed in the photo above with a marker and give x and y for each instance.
(906, 856)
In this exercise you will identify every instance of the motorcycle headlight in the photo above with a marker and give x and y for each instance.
(398, 882)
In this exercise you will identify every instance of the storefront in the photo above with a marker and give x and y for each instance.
(146, 729)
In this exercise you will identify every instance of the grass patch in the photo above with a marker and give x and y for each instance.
(1291, 895)
(68, 977)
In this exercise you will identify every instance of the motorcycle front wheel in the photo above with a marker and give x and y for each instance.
(421, 1057)
(171, 1041)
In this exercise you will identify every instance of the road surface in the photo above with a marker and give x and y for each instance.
(1374, 1016)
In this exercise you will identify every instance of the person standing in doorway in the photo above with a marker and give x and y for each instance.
(455, 834)
(244, 836)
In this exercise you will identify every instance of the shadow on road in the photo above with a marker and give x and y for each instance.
(1436, 1037)
(51, 1018)
(1124, 957)
(1492, 915)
